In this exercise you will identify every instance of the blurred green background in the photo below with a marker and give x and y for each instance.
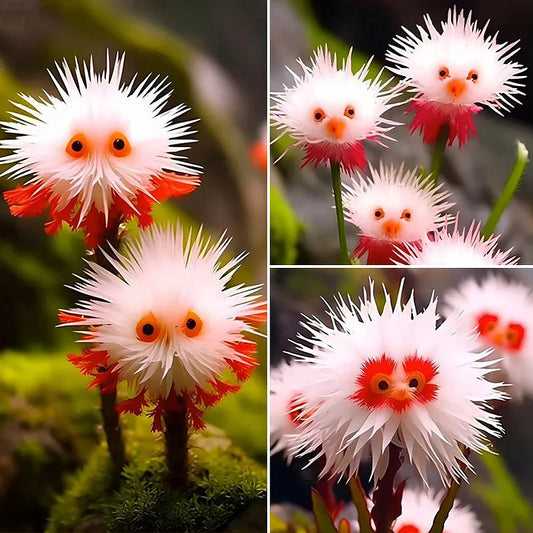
(49, 423)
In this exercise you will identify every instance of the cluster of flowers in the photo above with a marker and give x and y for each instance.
(160, 314)
(382, 377)
(401, 214)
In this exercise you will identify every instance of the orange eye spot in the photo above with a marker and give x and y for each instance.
(148, 328)
(406, 215)
(473, 76)
(319, 115)
(444, 73)
(77, 146)
(192, 325)
(486, 323)
(349, 111)
(119, 145)
(379, 213)
(515, 336)
(380, 384)
(416, 381)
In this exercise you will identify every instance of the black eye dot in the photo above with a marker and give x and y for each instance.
(413, 384)
(77, 146)
(383, 385)
(191, 323)
(119, 144)
(318, 116)
(148, 329)
(442, 73)
(474, 77)
(407, 215)
(351, 111)
(378, 213)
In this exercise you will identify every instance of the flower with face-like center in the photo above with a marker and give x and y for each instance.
(452, 72)
(287, 400)
(502, 312)
(101, 153)
(167, 322)
(391, 207)
(465, 248)
(394, 376)
(330, 111)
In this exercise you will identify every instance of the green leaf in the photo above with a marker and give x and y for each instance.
(512, 512)
(324, 523)
(284, 230)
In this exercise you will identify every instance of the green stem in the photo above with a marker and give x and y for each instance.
(336, 184)
(438, 154)
(447, 503)
(508, 192)
(359, 500)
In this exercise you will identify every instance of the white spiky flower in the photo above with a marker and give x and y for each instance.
(419, 509)
(501, 311)
(394, 376)
(465, 248)
(329, 111)
(287, 399)
(100, 149)
(167, 317)
(391, 206)
(453, 71)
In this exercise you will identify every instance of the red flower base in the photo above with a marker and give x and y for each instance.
(350, 156)
(32, 200)
(380, 252)
(431, 116)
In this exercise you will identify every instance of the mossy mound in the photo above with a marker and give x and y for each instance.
(227, 492)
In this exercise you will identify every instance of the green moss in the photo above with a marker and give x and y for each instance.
(223, 484)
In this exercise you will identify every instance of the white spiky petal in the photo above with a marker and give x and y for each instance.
(97, 105)
(465, 248)
(393, 190)
(342, 430)
(512, 303)
(461, 47)
(285, 385)
(324, 86)
(167, 273)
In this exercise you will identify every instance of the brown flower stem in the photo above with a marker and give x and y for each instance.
(387, 499)
(438, 154)
(359, 500)
(176, 436)
(447, 503)
(108, 401)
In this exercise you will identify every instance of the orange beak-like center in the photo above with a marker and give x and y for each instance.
(456, 88)
(392, 228)
(401, 392)
(336, 127)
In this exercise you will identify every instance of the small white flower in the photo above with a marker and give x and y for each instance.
(101, 148)
(329, 111)
(465, 248)
(394, 376)
(453, 71)
(287, 399)
(419, 509)
(391, 206)
(167, 317)
(502, 312)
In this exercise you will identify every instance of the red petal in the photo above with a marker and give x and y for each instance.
(133, 405)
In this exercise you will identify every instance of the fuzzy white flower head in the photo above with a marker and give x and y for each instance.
(465, 248)
(393, 204)
(100, 140)
(330, 110)
(394, 376)
(502, 312)
(460, 65)
(287, 398)
(167, 317)
(419, 509)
